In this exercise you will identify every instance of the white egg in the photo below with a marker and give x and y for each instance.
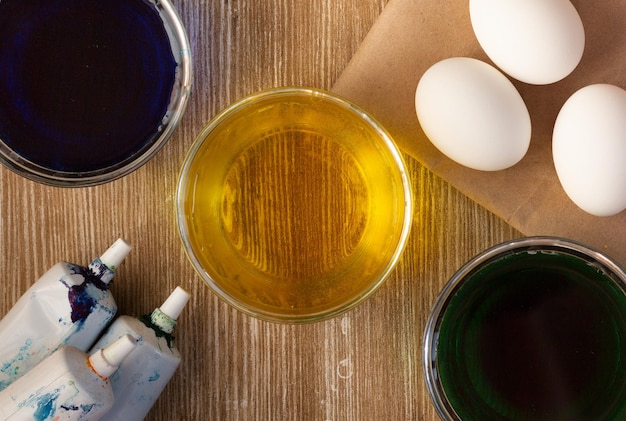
(534, 41)
(589, 148)
(473, 114)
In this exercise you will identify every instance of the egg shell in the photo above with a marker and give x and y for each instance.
(589, 148)
(534, 41)
(473, 114)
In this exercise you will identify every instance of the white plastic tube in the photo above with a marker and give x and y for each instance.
(70, 305)
(67, 385)
(147, 370)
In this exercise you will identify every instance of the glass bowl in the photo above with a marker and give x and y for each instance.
(90, 91)
(293, 205)
(531, 329)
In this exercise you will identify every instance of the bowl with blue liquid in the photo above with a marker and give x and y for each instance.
(89, 90)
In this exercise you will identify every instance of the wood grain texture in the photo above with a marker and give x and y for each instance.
(363, 365)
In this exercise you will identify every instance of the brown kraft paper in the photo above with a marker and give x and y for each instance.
(412, 35)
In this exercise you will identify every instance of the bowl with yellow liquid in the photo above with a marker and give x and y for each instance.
(293, 205)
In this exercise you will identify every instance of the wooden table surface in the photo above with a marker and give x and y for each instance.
(363, 365)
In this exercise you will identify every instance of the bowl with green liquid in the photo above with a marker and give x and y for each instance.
(532, 329)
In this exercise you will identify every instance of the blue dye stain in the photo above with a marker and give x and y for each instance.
(45, 407)
(86, 408)
(154, 377)
(12, 368)
(83, 408)
(81, 301)
(84, 86)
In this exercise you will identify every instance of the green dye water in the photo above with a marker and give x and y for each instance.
(535, 337)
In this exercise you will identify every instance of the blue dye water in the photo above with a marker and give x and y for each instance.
(84, 84)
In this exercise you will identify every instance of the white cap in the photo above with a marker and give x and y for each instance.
(115, 254)
(174, 304)
(104, 362)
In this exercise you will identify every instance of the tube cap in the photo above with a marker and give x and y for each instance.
(174, 304)
(115, 254)
(164, 317)
(104, 362)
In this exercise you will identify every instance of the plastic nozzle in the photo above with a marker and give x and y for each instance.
(164, 317)
(115, 254)
(174, 304)
(105, 362)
